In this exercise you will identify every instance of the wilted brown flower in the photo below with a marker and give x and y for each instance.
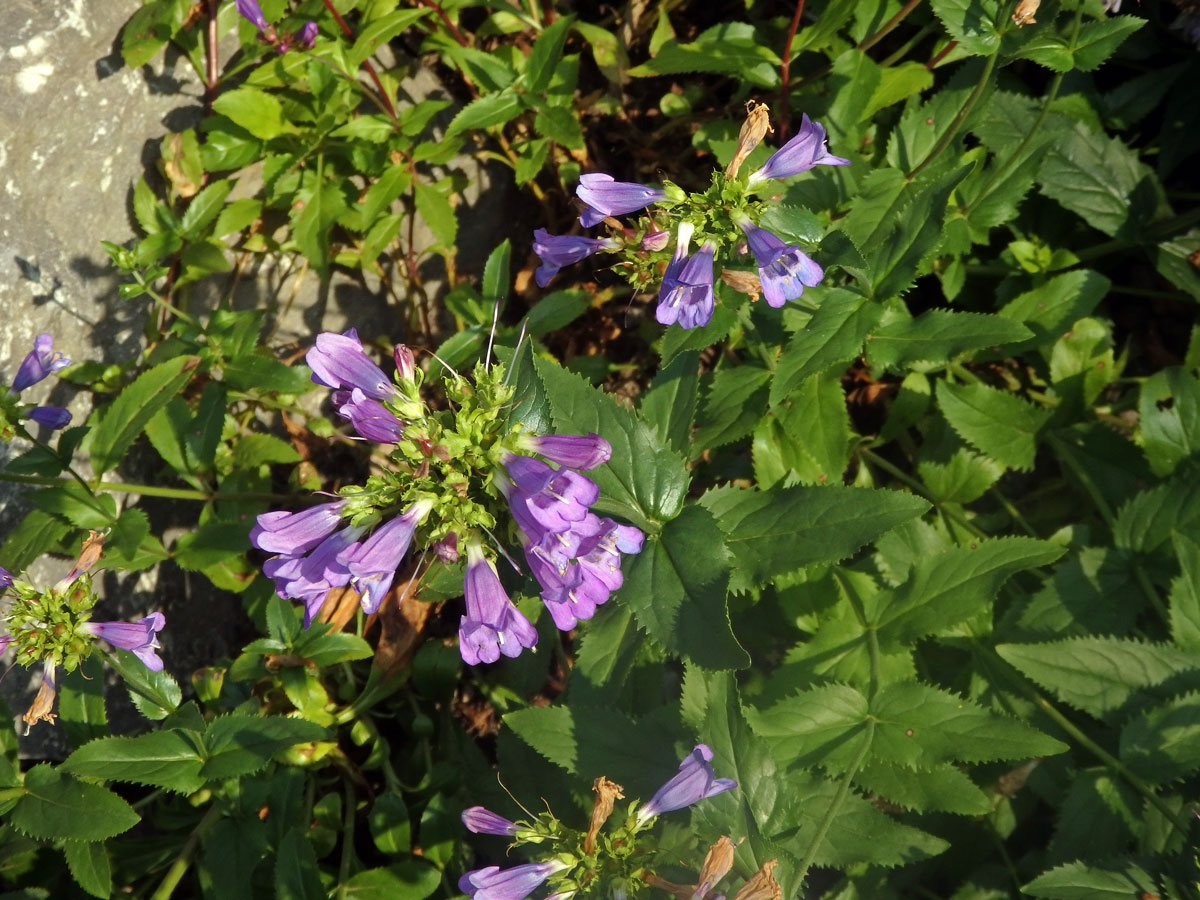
(1024, 13)
(754, 129)
(607, 793)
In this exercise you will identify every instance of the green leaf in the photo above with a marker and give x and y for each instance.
(253, 450)
(155, 694)
(559, 124)
(118, 425)
(236, 216)
(1080, 881)
(957, 584)
(938, 336)
(311, 223)
(555, 310)
(964, 479)
(253, 372)
(732, 48)
(81, 702)
(380, 195)
(380, 31)
(240, 744)
(216, 541)
(772, 533)
(1150, 519)
(545, 54)
(669, 406)
(77, 505)
(1163, 744)
(485, 112)
(1169, 418)
(943, 787)
(203, 208)
(410, 879)
(389, 823)
(1098, 675)
(297, 876)
(1051, 308)
(735, 403)
(90, 867)
(324, 647)
(56, 806)
(37, 533)
(998, 424)
(973, 23)
(255, 110)
(434, 208)
(169, 759)
(144, 35)
(496, 279)
(817, 411)
(676, 587)
(1099, 39)
(1185, 594)
(643, 480)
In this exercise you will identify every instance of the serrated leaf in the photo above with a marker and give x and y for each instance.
(943, 788)
(1163, 743)
(1149, 520)
(90, 867)
(1169, 418)
(973, 23)
(486, 112)
(378, 32)
(938, 336)
(957, 584)
(1185, 594)
(119, 424)
(496, 279)
(732, 48)
(255, 110)
(735, 402)
(240, 744)
(1081, 881)
(676, 587)
(253, 450)
(998, 424)
(435, 209)
(963, 479)
(1097, 819)
(834, 335)
(312, 219)
(169, 759)
(669, 406)
(253, 372)
(1098, 675)
(545, 54)
(410, 879)
(772, 533)
(56, 806)
(643, 480)
(155, 694)
(297, 876)
(1051, 308)
(1098, 40)
(203, 208)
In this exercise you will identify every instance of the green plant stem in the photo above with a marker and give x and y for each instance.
(810, 854)
(1151, 234)
(389, 107)
(1076, 734)
(183, 861)
(968, 105)
(168, 307)
(1013, 513)
(147, 490)
(348, 811)
(917, 488)
(860, 613)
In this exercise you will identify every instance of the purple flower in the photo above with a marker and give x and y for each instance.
(492, 624)
(801, 153)
(38, 363)
(579, 451)
(338, 361)
(558, 250)
(250, 10)
(406, 363)
(516, 883)
(6, 578)
(307, 35)
(140, 638)
(484, 821)
(784, 270)
(554, 498)
(606, 197)
(52, 417)
(310, 577)
(372, 564)
(370, 418)
(4, 641)
(694, 782)
(295, 533)
(655, 240)
(686, 295)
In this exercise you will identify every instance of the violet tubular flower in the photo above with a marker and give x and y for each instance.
(516, 883)
(307, 36)
(373, 563)
(784, 270)
(6, 578)
(558, 250)
(295, 533)
(686, 295)
(40, 362)
(605, 197)
(140, 638)
(577, 451)
(492, 625)
(339, 361)
(52, 417)
(370, 418)
(481, 820)
(555, 498)
(695, 781)
(804, 151)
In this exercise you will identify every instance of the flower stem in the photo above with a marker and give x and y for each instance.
(810, 854)
(968, 105)
(183, 861)
(147, 490)
(366, 64)
(785, 71)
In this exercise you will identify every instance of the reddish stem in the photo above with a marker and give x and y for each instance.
(383, 95)
(785, 71)
(450, 26)
(940, 55)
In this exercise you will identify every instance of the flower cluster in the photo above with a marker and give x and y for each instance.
(53, 626)
(580, 862)
(721, 221)
(41, 361)
(281, 41)
(452, 475)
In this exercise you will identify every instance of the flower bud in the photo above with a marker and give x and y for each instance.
(406, 363)
(655, 240)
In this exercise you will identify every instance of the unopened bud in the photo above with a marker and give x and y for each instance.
(406, 364)
(754, 129)
(447, 548)
(655, 240)
(1025, 11)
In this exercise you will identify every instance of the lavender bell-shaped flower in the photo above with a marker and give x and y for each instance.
(370, 418)
(492, 625)
(686, 295)
(804, 151)
(555, 498)
(295, 533)
(307, 36)
(42, 360)
(372, 564)
(515, 883)
(606, 197)
(6, 578)
(250, 10)
(311, 577)
(694, 782)
(339, 361)
(784, 270)
(558, 250)
(140, 638)
(577, 451)
(52, 417)
(481, 820)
